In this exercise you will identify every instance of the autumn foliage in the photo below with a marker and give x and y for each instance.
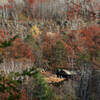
(50, 35)
(84, 40)
(14, 47)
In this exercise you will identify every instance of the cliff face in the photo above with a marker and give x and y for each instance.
(66, 89)
(94, 86)
(89, 87)
(80, 90)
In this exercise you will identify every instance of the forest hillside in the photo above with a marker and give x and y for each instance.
(49, 49)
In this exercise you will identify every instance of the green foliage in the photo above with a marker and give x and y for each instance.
(92, 97)
(59, 54)
(82, 58)
(8, 43)
(32, 42)
(41, 90)
(9, 84)
(58, 97)
(29, 39)
(98, 56)
(66, 97)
